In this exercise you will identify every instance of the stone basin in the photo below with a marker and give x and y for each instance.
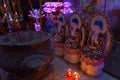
(26, 60)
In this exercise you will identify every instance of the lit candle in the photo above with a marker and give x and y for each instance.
(69, 74)
(4, 5)
(76, 76)
(11, 19)
(17, 22)
(15, 13)
(5, 14)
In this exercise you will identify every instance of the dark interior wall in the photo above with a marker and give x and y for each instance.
(113, 13)
(43, 1)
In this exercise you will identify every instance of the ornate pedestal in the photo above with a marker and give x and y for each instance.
(28, 60)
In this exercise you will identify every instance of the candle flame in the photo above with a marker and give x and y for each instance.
(5, 5)
(11, 19)
(15, 13)
(76, 76)
(16, 20)
(5, 14)
(69, 72)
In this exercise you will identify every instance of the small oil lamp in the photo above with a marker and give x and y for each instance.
(76, 76)
(69, 74)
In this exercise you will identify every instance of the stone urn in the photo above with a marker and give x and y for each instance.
(27, 59)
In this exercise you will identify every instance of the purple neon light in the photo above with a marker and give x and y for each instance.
(65, 11)
(37, 26)
(51, 7)
(35, 13)
(54, 4)
(67, 4)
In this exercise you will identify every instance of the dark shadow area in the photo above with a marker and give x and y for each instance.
(112, 65)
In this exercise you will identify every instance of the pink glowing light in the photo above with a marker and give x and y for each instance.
(48, 10)
(48, 4)
(35, 13)
(65, 11)
(53, 10)
(67, 4)
(37, 26)
(52, 6)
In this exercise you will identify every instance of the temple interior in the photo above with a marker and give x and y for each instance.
(59, 39)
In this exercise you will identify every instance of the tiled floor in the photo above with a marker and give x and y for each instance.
(58, 69)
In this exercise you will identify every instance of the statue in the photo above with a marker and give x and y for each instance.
(97, 46)
(75, 41)
(60, 36)
(95, 41)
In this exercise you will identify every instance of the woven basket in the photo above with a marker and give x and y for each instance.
(59, 49)
(91, 68)
(72, 55)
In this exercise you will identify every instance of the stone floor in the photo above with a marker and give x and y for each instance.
(58, 69)
(60, 66)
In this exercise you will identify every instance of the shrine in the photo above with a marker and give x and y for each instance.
(59, 39)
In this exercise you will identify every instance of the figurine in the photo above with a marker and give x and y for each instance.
(60, 36)
(98, 46)
(75, 42)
